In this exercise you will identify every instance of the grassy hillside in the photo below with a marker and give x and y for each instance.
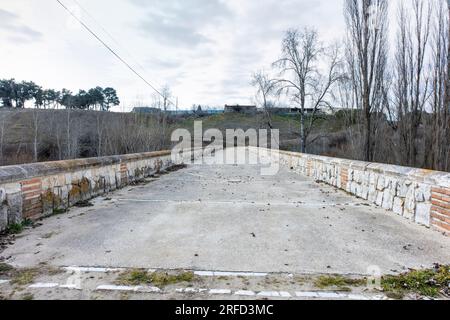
(61, 134)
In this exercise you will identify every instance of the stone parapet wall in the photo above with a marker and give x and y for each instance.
(33, 191)
(422, 196)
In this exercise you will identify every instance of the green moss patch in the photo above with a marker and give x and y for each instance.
(429, 282)
(17, 228)
(158, 279)
(24, 276)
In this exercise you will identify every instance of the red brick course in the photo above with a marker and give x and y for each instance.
(440, 211)
(344, 178)
(32, 198)
(124, 172)
(309, 167)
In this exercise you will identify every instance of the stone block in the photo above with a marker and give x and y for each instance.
(365, 192)
(423, 214)
(350, 174)
(3, 217)
(423, 193)
(379, 199)
(388, 199)
(398, 205)
(403, 188)
(381, 183)
(373, 193)
(410, 204)
(354, 188)
(373, 179)
(14, 204)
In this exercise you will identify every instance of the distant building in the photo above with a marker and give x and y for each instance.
(241, 109)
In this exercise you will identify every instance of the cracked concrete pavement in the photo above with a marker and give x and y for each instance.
(229, 218)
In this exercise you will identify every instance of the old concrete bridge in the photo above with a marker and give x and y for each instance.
(318, 215)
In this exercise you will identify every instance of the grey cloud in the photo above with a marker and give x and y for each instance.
(166, 63)
(179, 22)
(17, 32)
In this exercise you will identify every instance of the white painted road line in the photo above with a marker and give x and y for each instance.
(269, 294)
(149, 290)
(335, 295)
(306, 294)
(285, 294)
(117, 288)
(219, 291)
(70, 287)
(141, 289)
(96, 270)
(245, 293)
(191, 290)
(229, 274)
(43, 285)
(332, 295)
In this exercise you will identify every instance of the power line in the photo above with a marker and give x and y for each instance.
(112, 51)
(112, 38)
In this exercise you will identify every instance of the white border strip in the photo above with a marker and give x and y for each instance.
(89, 269)
(336, 295)
(117, 288)
(229, 274)
(219, 291)
(40, 285)
(128, 288)
(245, 293)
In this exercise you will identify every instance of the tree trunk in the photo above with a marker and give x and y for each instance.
(302, 132)
(302, 120)
(368, 137)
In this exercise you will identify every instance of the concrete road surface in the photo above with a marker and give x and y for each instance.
(229, 218)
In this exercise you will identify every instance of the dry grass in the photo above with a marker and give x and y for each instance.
(340, 282)
(159, 279)
(23, 277)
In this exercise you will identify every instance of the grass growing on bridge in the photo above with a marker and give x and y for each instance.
(159, 279)
(24, 276)
(340, 282)
(429, 282)
(17, 228)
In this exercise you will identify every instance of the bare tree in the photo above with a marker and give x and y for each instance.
(2, 136)
(35, 130)
(367, 27)
(166, 95)
(100, 133)
(411, 87)
(265, 87)
(301, 77)
(439, 140)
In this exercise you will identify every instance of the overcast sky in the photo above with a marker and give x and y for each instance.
(205, 50)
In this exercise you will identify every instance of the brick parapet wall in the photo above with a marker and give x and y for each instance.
(36, 190)
(422, 196)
